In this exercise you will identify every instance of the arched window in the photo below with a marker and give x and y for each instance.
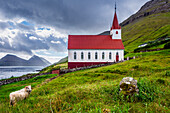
(110, 55)
(103, 55)
(116, 32)
(82, 55)
(117, 53)
(89, 56)
(75, 56)
(96, 56)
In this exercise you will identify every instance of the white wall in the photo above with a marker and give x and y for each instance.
(114, 35)
(106, 59)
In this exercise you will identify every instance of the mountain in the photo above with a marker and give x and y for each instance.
(151, 7)
(150, 23)
(38, 61)
(12, 60)
(63, 60)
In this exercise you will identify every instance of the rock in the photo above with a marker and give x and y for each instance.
(106, 110)
(128, 86)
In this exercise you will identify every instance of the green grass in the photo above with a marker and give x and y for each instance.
(146, 29)
(94, 90)
(6, 89)
(153, 53)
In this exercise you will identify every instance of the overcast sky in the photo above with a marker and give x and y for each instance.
(41, 27)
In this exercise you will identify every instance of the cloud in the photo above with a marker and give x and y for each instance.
(70, 16)
(55, 42)
(47, 32)
(4, 25)
(14, 40)
(29, 27)
(33, 38)
(2, 43)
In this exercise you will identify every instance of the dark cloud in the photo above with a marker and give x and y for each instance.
(23, 43)
(24, 27)
(71, 16)
(60, 47)
(63, 16)
(4, 25)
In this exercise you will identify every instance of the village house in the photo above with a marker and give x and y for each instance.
(86, 50)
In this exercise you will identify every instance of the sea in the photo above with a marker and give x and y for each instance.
(16, 71)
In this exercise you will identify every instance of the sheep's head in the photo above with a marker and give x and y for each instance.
(28, 89)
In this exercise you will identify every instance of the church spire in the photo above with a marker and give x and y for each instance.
(115, 24)
(115, 6)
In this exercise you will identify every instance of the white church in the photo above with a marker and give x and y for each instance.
(86, 50)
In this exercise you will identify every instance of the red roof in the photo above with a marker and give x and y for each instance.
(94, 42)
(115, 24)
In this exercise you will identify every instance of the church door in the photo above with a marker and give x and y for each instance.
(117, 57)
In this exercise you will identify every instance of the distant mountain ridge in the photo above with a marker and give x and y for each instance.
(149, 8)
(63, 60)
(12, 60)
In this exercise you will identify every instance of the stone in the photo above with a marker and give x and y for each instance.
(128, 86)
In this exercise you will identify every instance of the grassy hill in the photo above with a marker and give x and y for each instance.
(146, 29)
(95, 90)
(150, 23)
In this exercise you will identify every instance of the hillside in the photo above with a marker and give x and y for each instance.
(95, 90)
(63, 60)
(150, 23)
(156, 26)
(149, 8)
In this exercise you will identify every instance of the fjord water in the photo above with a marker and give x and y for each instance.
(16, 71)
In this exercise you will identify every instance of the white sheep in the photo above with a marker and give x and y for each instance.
(19, 95)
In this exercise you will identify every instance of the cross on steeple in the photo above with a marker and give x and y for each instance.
(115, 6)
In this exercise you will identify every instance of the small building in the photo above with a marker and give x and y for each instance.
(86, 50)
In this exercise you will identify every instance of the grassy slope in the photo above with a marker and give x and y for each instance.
(54, 66)
(96, 89)
(146, 29)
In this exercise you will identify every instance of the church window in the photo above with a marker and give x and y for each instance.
(110, 55)
(82, 55)
(96, 56)
(89, 56)
(116, 32)
(103, 55)
(117, 53)
(75, 56)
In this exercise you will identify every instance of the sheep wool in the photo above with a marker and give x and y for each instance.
(19, 95)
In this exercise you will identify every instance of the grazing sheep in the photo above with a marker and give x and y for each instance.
(19, 95)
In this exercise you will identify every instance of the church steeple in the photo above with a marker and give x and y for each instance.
(115, 30)
(115, 24)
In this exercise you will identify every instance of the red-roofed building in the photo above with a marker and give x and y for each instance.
(86, 50)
